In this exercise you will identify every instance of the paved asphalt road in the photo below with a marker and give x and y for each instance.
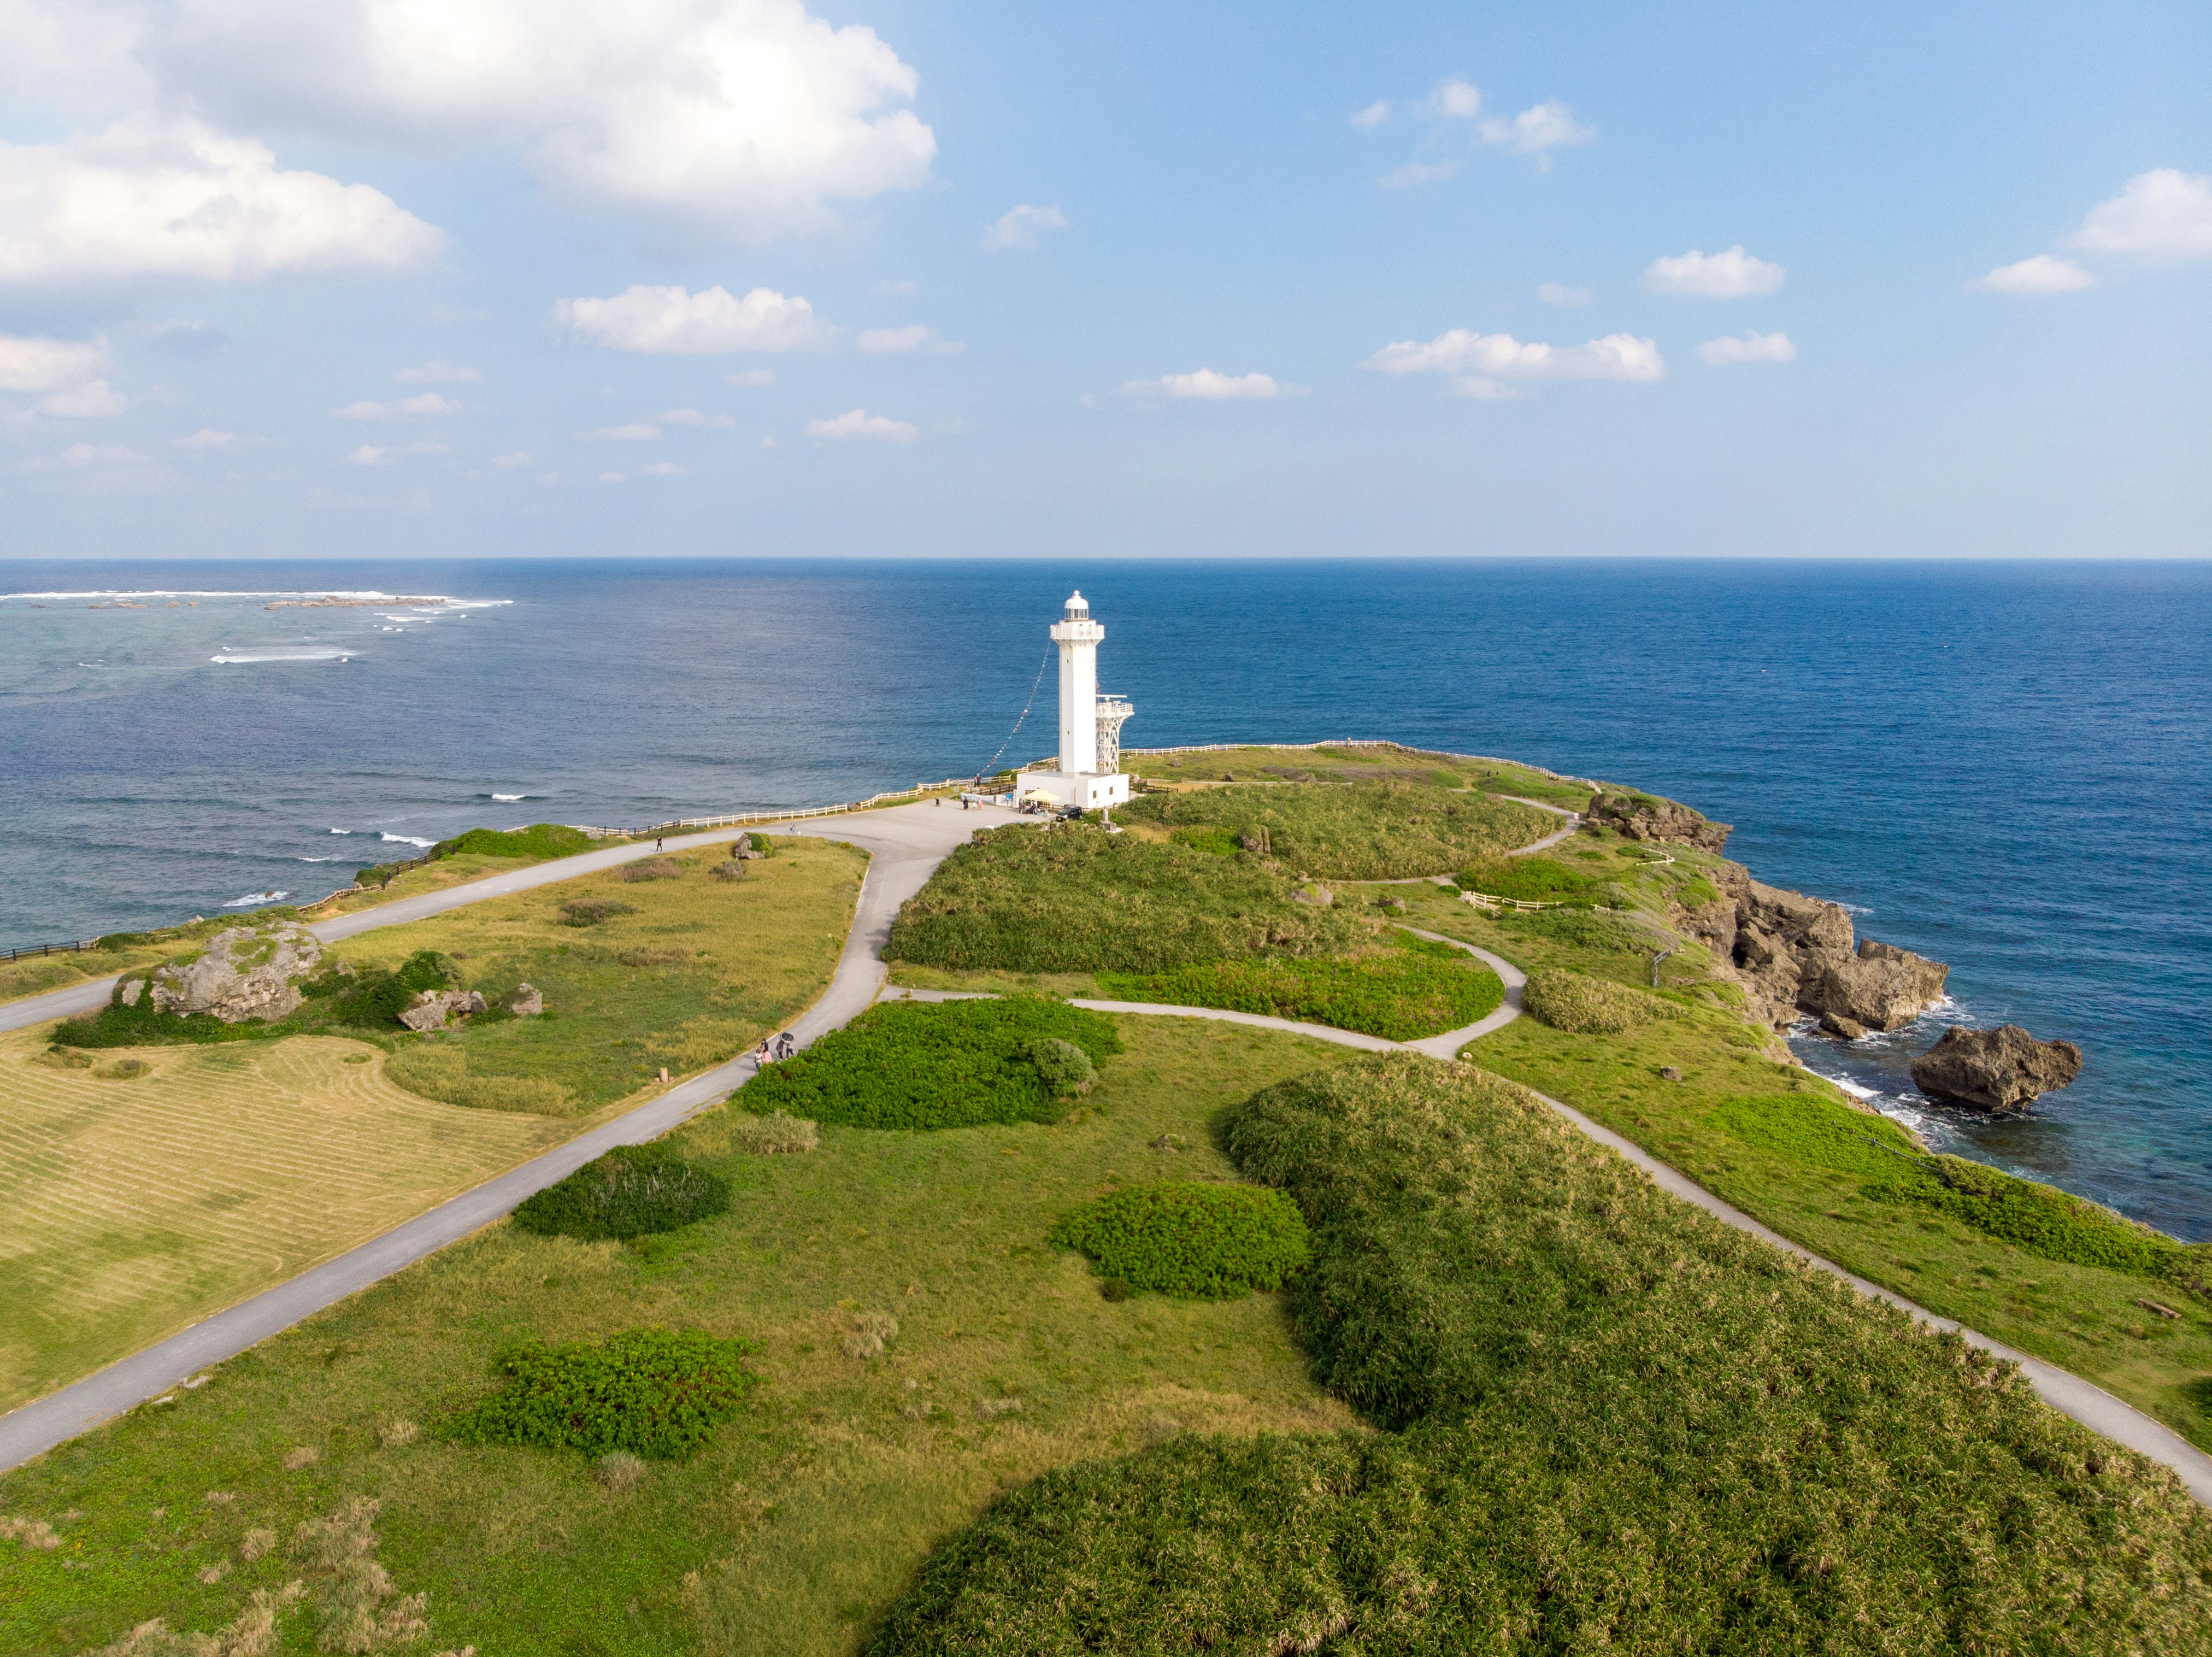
(908, 842)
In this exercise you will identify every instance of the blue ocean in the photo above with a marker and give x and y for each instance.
(2005, 766)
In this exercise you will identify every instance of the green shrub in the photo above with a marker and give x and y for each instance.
(760, 842)
(1696, 893)
(1077, 899)
(941, 1064)
(634, 1190)
(1622, 1426)
(1403, 993)
(1213, 842)
(540, 841)
(1819, 1131)
(651, 868)
(1584, 1006)
(591, 911)
(374, 998)
(1366, 830)
(650, 1392)
(442, 1073)
(1066, 1068)
(1531, 879)
(1205, 1242)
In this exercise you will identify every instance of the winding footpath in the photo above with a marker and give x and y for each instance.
(906, 843)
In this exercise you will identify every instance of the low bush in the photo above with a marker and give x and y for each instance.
(591, 911)
(1531, 879)
(776, 1134)
(1066, 1068)
(336, 999)
(442, 1073)
(1584, 1006)
(374, 999)
(1077, 899)
(1403, 993)
(1214, 841)
(1361, 830)
(1617, 1424)
(651, 868)
(540, 842)
(634, 1190)
(730, 868)
(1811, 1127)
(651, 1392)
(1696, 893)
(943, 1064)
(1205, 1242)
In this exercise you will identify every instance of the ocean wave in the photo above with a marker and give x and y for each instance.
(236, 657)
(255, 900)
(402, 839)
(1854, 908)
(342, 830)
(508, 798)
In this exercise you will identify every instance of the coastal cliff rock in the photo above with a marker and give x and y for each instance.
(243, 973)
(1795, 953)
(1646, 817)
(432, 1009)
(1998, 1070)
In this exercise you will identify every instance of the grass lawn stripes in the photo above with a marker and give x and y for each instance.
(939, 1064)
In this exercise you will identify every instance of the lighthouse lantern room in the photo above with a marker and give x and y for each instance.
(1089, 773)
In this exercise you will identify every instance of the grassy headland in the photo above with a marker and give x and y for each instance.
(1354, 831)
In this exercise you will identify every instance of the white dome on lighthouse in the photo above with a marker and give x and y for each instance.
(1078, 607)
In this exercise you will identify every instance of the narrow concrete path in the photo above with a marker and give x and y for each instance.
(906, 843)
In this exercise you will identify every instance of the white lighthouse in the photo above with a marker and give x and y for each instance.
(1090, 771)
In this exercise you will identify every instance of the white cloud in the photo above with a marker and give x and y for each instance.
(370, 454)
(1485, 365)
(428, 405)
(85, 457)
(28, 362)
(2163, 216)
(662, 469)
(913, 338)
(1456, 99)
(2043, 274)
(858, 425)
(1533, 131)
(520, 458)
(1206, 385)
(898, 289)
(744, 119)
(207, 437)
(638, 431)
(1414, 174)
(1728, 351)
(1020, 228)
(438, 374)
(694, 417)
(186, 339)
(1374, 115)
(1553, 293)
(151, 199)
(752, 379)
(669, 321)
(93, 400)
(1734, 274)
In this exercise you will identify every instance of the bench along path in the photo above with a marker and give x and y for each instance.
(907, 843)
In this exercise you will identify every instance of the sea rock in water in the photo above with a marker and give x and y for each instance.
(526, 1002)
(2000, 1069)
(1643, 817)
(1796, 954)
(1881, 987)
(245, 972)
(432, 1008)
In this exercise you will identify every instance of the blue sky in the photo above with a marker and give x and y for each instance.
(698, 277)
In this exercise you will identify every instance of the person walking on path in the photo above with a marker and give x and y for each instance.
(656, 843)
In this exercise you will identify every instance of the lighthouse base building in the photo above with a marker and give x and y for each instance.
(1089, 776)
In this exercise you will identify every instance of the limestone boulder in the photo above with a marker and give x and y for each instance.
(526, 1002)
(1881, 987)
(245, 972)
(433, 1009)
(2001, 1070)
(1643, 817)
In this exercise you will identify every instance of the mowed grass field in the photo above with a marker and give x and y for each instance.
(137, 1206)
(801, 1520)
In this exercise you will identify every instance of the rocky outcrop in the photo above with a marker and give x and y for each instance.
(2000, 1070)
(526, 1002)
(245, 972)
(1646, 817)
(433, 1009)
(1795, 953)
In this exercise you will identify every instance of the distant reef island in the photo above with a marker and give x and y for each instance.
(1248, 1198)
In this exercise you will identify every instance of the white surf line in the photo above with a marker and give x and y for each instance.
(904, 853)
